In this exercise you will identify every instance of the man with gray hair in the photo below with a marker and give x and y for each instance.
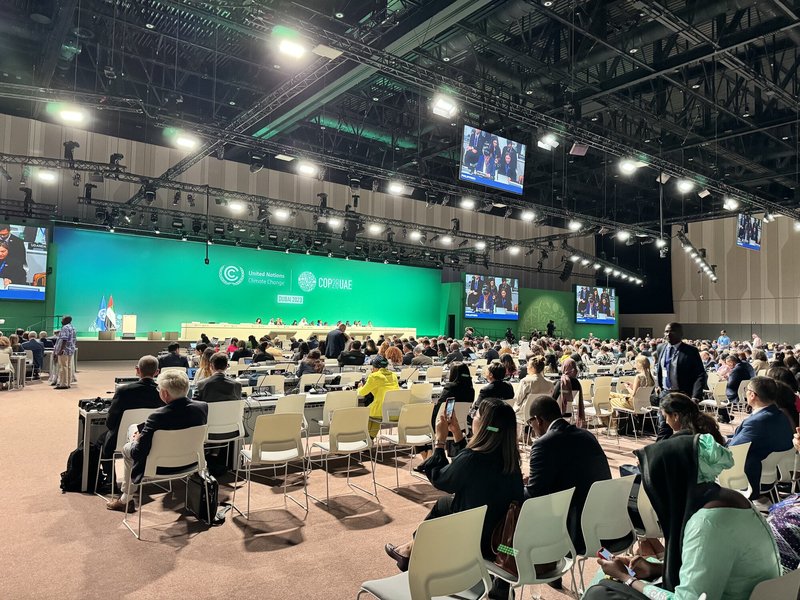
(419, 357)
(179, 413)
(455, 354)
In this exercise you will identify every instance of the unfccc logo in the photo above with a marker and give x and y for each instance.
(306, 281)
(231, 274)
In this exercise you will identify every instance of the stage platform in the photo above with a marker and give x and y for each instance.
(94, 349)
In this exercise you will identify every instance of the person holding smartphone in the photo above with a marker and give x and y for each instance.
(485, 471)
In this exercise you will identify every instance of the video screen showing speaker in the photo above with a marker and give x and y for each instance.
(492, 160)
(491, 298)
(595, 305)
(748, 232)
(23, 262)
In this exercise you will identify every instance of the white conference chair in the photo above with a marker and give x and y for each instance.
(349, 434)
(335, 401)
(787, 587)
(350, 378)
(130, 417)
(434, 374)
(641, 407)
(7, 369)
(393, 402)
(172, 449)
(421, 393)
(541, 538)
(600, 409)
(173, 369)
(652, 528)
(277, 440)
(769, 472)
(413, 429)
(603, 380)
(310, 380)
(276, 383)
(719, 398)
(742, 395)
(409, 374)
(735, 477)
(446, 560)
(225, 424)
(604, 521)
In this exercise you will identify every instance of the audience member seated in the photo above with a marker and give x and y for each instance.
(173, 358)
(486, 471)
(242, 351)
(428, 349)
(352, 357)
(767, 429)
(534, 383)
(261, 354)
(378, 382)
(218, 387)
(312, 363)
(277, 353)
(788, 404)
(739, 372)
(568, 389)
(204, 369)
(179, 413)
(394, 356)
(716, 542)
(507, 360)
(140, 394)
(490, 353)
(370, 349)
(408, 354)
(47, 342)
(682, 415)
(233, 346)
(644, 378)
(37, 350)
(454, 354)
(301, 351)
(760, 361)
(420, 358)
(497, 387)
(16, 347)
(784, 520)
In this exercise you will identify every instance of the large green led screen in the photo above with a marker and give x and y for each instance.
(165, 282)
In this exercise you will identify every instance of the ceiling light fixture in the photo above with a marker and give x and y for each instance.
(395, 188)
(415, 236)
(527, 215)
(375, 228)
(730, 204)
(514, 250)
(46, 176)
(685, 186)
(623, 236)
(574, 225)
(284, 157)
(444, 106)
(480, 245)
(548, 142)
(308, 169)
(467, 203)
(291, 48)
(186, 141)
(446, 239)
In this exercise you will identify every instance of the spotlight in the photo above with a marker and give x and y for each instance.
(434, 238)
(480, 245)
(661, 243)
(114, 159)
(375, 228)
(623, 236)
(446, 239)
(796, 225)
(186, 141)
(574, 225)
(284, 157)
(527, 215)
(307, 169)
(236, 206)
(704, 193)
(71, 114)
(176, 199)
(548, 142)
(96, 177)
(514, 250)
(508, 213)
(444, 106)
(149, 192)
(76, 178)
(685, 186)
(596, 266)
(190, 200)
(156, 229)
(467, 203)
(219, 229)
(415, 236)
(291, 48)
(256, 162)
(184, 237)
(69, 151)
(574, 258)
(463, 243)
(584, 262)
(281, 214)
(628, 166)
(395, 188)
(46, 176)
(730, 204)
(177, 223)
(456, 225)
(196, 226)
(334, 222)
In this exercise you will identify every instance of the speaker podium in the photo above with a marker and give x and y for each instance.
(128, 327)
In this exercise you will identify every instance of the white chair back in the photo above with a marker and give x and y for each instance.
(434, 374)
(173, 369)
(349, 425)
(541, 534)
(277, 433)
(310, 379)
(718, 393)
(447, 555)
(225, 421)
(622, 381)
(409, 374)
(741, 393)
(652, 528)
(769, 466)
(414, 422)
(393, 402)
(421, 392)
(479, 362)
(641, 399)
(604, 380)
(735, 478)
(276, 382)
(176, 448)
(132, 416)
(335, 401)
(292, 404)
(787, 587)
(712, 379)
(5, 359)
(605, 514)
(348, 378)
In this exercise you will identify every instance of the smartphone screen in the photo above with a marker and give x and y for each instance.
(448, 409)
(605, 554)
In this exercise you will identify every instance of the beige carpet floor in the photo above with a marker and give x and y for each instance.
(56, 545)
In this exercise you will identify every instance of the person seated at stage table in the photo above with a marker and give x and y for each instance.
(242, 351)
(420, 359)
(139, 394)
(179, 413)
(218, 387)
(378, 382)
(312, 363)
(37, 349)
(352, 357)
(173, 358)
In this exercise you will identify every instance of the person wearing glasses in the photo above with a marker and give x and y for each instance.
(767, 429)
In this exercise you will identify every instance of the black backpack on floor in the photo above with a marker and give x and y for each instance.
(71, 478)
(196, 497)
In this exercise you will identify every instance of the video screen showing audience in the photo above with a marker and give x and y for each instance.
(23, 262)
(491, 298)
(748, 232)
(492, 160)
(595, 305)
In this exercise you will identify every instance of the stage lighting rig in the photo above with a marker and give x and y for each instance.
(256, 162)
(190, 200)
(176, 199)
(76, 179)
(149, 189)
(87, 192)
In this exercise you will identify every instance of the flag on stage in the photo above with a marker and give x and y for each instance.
(111, 316)
(100, 321)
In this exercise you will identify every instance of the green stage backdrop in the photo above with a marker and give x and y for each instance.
(165, 282)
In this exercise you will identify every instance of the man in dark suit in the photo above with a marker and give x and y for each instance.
(37, 349)
(408, 354)
(46, 341)
(17, 258)
(179, 413)
(172, 358)
(490, 353)
(767, 429)
(140, 394)
(218, 387)
(353, 357)
(336, 341)
(428, 349)
(455, 354)
(679, 368)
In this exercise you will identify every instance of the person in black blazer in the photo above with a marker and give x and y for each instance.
(563, 457)
(218, 387)
(496, 388)
(141, 394)
(352, 357)
(172, 358)
(37, 349)
(179, 413)
(685, 373)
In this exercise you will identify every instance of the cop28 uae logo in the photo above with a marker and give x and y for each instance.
(306, 281)
(231, 274)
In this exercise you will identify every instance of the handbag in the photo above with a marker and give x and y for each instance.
(505, 556)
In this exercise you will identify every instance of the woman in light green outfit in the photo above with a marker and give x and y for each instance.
(716, 541)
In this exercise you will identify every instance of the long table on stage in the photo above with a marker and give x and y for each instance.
(192, 331)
